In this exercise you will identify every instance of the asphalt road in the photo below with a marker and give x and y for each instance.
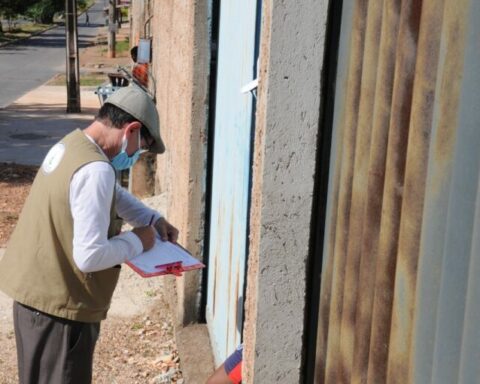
(30, 63)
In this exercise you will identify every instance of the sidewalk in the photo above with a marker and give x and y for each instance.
(36, 121)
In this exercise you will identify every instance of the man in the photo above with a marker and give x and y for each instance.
(63, 260)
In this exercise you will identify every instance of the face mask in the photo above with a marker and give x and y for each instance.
(122, 160)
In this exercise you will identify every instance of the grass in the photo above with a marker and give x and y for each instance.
(136, 326)
(25, 30)
(83, 6)
(151, 293)
(86, 79)
(121, 47)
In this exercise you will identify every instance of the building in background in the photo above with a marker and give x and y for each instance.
(336, 206)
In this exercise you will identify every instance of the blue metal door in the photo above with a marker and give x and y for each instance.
(231, 174)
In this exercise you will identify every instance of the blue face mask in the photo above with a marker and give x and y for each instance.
(122, 160)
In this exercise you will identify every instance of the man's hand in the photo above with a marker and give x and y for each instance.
(166, 230)
(146, 236)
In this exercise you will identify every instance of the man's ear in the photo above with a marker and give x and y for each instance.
(132, 128)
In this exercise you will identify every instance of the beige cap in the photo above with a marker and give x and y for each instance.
(140, 105)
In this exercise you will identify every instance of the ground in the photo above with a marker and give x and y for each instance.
(136, 342)
(15, 182)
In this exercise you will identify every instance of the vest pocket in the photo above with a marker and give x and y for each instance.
(100, 286)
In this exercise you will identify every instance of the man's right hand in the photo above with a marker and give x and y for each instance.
(146, 236)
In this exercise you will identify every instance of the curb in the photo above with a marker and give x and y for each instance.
(28, 37)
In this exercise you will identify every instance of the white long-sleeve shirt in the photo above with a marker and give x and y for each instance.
(91, 190)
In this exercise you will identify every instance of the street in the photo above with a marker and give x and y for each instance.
(30, 63)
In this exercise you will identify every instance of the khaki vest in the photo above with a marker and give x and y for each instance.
(37, 269)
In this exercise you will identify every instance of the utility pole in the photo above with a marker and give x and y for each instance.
(112, 26)
(73, 68)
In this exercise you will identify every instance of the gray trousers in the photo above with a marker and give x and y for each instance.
(52, 350)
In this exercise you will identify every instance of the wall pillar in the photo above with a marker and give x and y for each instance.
(181, 59)
(288, 114)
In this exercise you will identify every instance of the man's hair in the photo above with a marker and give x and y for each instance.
(134, 53)
(110, 114)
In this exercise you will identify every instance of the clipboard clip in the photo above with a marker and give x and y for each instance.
(176, 270)
(172, 268)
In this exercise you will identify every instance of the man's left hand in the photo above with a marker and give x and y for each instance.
(166, 230)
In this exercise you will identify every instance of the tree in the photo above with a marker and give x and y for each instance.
(43, 11)
(9, 9)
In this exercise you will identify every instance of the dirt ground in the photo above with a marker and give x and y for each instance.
(15, 181)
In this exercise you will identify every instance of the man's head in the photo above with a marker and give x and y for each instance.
(134, 53)
(133, 104)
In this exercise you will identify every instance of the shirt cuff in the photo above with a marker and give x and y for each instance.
(158, 216)
(135, 241)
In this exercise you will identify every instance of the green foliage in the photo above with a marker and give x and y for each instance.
(82, 4)
(43, 11)
(122, 46)
(10, 9)
(22, 31)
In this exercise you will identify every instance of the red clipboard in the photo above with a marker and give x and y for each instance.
(164, 258)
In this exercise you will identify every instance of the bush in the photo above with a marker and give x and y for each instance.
(10, 9)
(44, 10)
(82, 4)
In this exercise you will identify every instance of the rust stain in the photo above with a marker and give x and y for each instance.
(229, 281)
(239, 304)
(392, 200)
(359, 187)
(334, 372)
(451, 81)
(414, 190)
(217, 253)
(376, 178)
(367, 308)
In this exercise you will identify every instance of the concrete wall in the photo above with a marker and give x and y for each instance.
(180, 67)
(291, 60)
(137, 19)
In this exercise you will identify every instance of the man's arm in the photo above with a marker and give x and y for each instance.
(132, 210)
(91, 193)
(138, 214)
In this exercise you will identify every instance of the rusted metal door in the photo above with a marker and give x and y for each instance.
(231, 174)
(400, 293)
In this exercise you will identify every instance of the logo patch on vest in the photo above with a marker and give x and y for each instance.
(53, 158)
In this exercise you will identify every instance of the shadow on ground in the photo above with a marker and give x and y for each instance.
(32, 125)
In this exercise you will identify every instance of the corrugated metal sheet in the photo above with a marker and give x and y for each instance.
(399, 300)
(231, 175)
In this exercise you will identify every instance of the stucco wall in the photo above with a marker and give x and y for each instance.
(288, 106)
(180, 67)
